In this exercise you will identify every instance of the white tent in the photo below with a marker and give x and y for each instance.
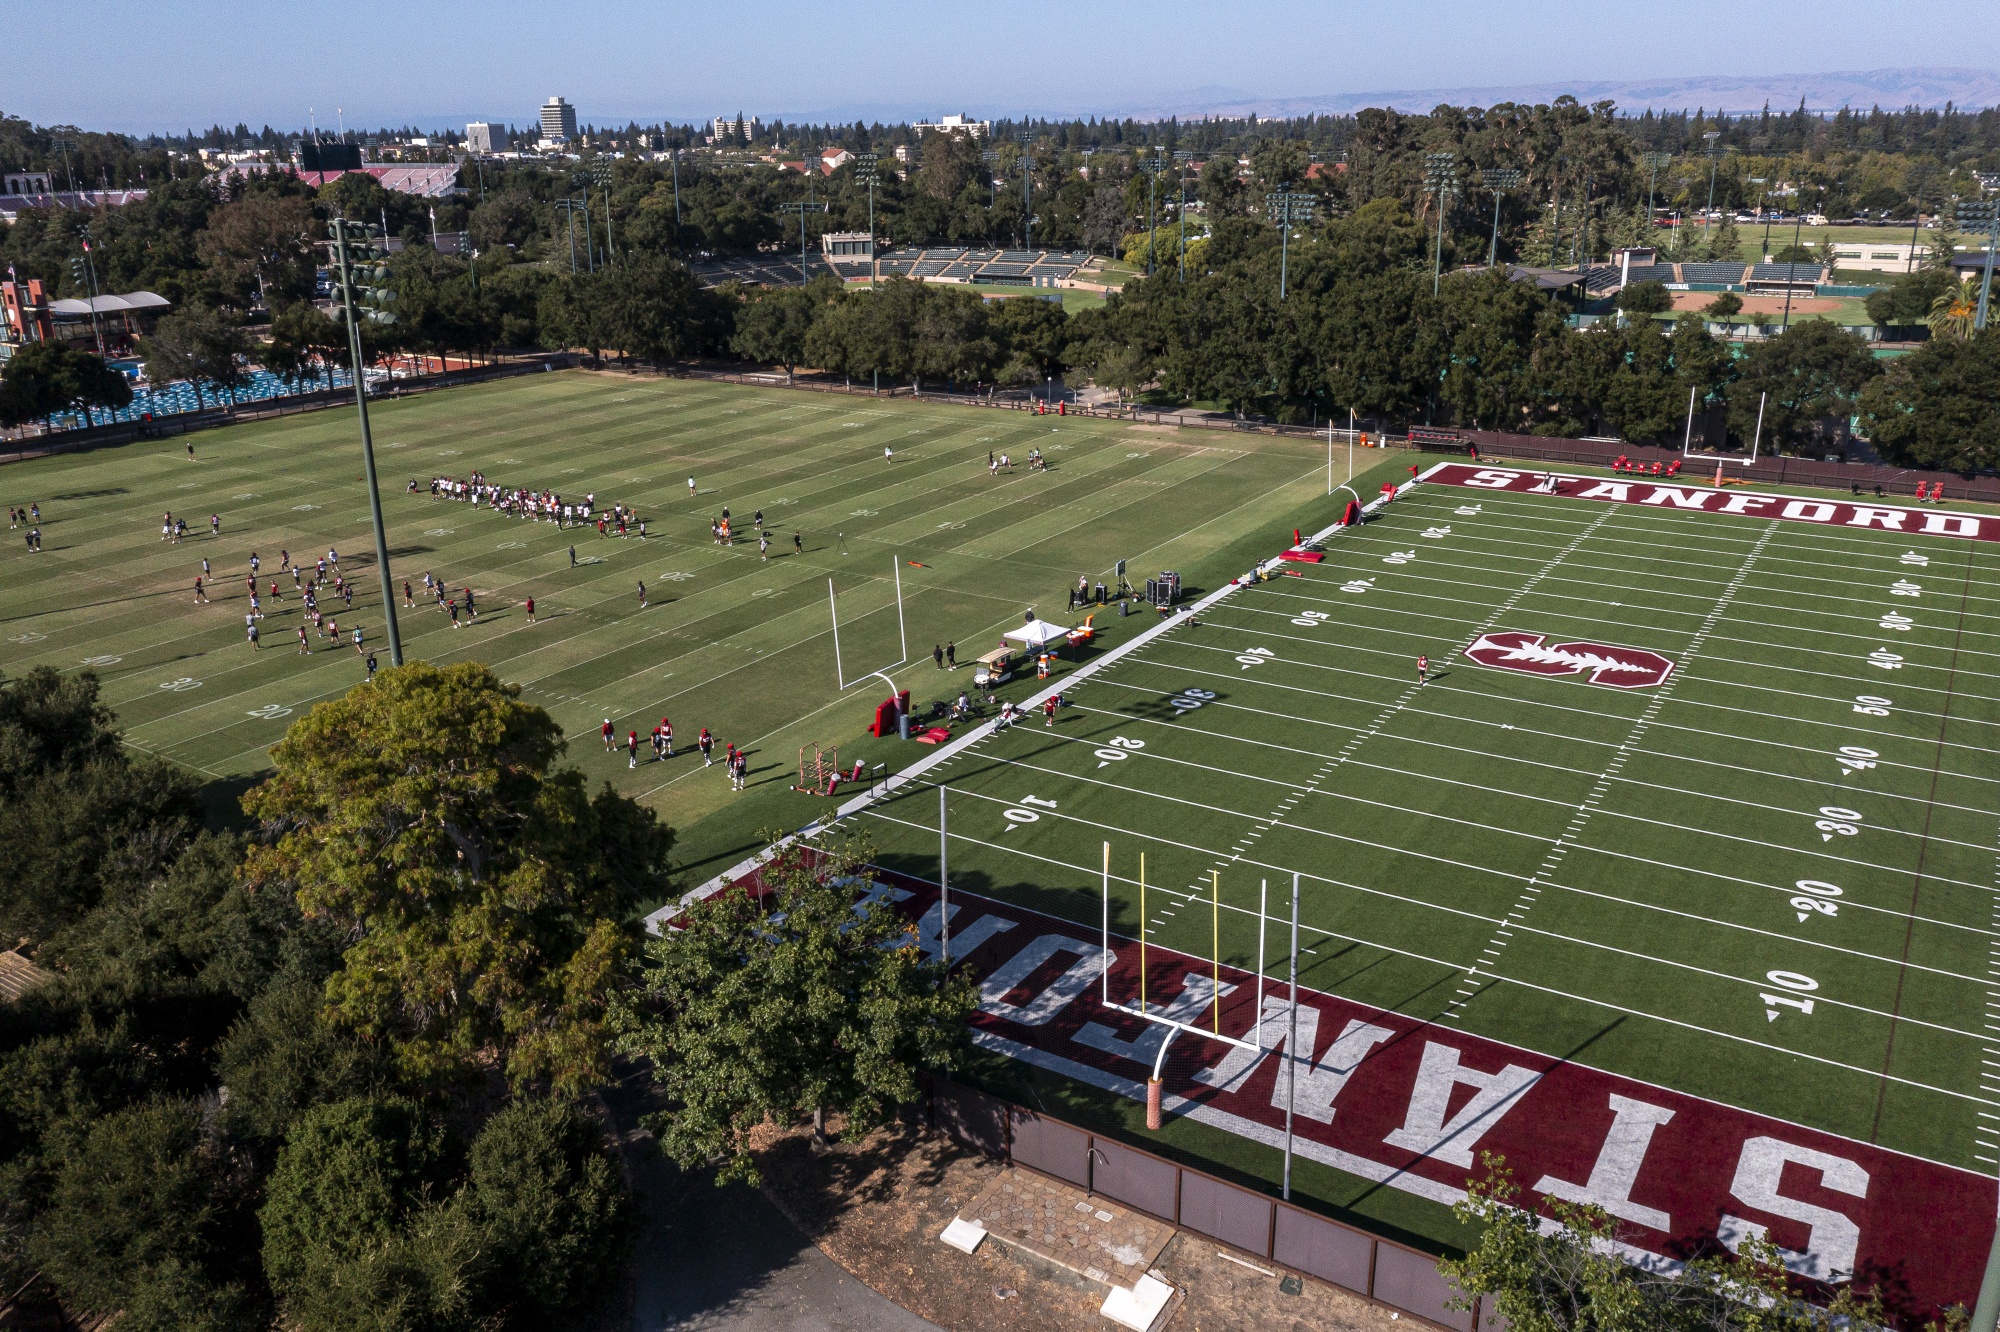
(1037, 633)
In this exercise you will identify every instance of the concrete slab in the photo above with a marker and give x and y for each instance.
(1081, 1232)
(1147, 1305)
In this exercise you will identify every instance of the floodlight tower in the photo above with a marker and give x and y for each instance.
(865, 172)
(600, 171)
(64, 145)
(1287, 208)
(1499, 180)
(1152, 165)
(992, 160)
(1181, 159)
(1655, 164)
(1441, 179)
(570, 207)
(802, 207)
(1975, 217)
(363, 294)
(1027, 191)
(1714, 155)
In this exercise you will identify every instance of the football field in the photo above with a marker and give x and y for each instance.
(727, 639)
(1680, 865)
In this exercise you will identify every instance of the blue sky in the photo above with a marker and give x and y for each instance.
(138, 65)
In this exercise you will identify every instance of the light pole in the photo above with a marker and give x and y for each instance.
(802, 207)
(1499, 180)
(1287, 207)
(62, 143)
(865, 172)
(1655, 163)
(601, 172)
(1441, 179)
(373, 295)
(1152, 166)
(1181, 159)
(569, 207)
(1714, 155)
(1579, 251)
(677, 193)
(1972, 217)
(1027, 192)
(89, 275)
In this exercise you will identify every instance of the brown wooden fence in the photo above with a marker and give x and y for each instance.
(1401, 1278)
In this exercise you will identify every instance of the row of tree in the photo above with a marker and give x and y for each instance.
(333, 1072)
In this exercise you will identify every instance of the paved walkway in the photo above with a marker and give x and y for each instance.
(726, 1260)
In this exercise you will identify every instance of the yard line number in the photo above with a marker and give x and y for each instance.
(1855, 758)
(1788, 980)
(1310, 619)
(1189, 699)
(1256, 656)
(1814, 898)
(1872, 705)
(1016, 817)
(1117, 750)
(1835, 821)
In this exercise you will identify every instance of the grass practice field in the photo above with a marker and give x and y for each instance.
(727, 640)
(1766, 879)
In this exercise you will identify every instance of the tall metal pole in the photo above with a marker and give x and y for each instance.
(1493, 248)
(677, 195)
(1986, 283)
(1292, 1042)
(1284, 251)
(944, 885)
(1711, 137)
(367, 444)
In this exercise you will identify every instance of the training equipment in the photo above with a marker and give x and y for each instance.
(819, 769)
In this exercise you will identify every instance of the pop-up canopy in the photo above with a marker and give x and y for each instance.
(1037, 633)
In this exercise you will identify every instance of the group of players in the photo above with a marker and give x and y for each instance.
(736, 762)
(536, 505)
(310, 585)
(31, 518)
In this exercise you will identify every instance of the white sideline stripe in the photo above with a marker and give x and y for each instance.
(945, 753)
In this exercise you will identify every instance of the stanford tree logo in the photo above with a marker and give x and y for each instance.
(1619, 667)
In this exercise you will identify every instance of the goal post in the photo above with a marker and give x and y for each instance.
(1213, 1030)
(902, 629)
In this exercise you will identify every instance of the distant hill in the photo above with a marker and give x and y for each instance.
(1891, 89)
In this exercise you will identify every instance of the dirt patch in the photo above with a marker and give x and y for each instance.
(876, 1207)
(1696, 300)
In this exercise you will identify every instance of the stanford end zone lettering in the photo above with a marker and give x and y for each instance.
(1742, 503)
(1618, 667)
(1411, 1106)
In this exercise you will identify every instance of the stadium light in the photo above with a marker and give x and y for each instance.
(364, 291)
(1287, 207)
(1027, 192)
(1714, 156)
(1655, 163)
(1181, 159)
(1152, 166)
(85, 270)
(64, 145)
(802, 207)
(1441, 179)
(992, 159)
(570, 207)
(865, 172)
(600, 171)
(1974, 217)
(1499, 180)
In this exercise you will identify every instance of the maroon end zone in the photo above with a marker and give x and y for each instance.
(1744, 503)
(1412, 1105)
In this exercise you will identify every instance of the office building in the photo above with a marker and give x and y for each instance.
(558, 121)
(741, 130)
(481, 137)
(973, 129)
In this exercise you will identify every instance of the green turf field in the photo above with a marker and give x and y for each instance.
(727, 641)
(1609, 875)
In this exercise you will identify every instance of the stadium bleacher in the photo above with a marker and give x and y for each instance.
(259, 386)
(1653, 273)
(1796, 273)
(1713, 274)
(1599, 279)
(1037, 268)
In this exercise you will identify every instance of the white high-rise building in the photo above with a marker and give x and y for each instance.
(558, 121)
(742, 129)
(481, 137)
